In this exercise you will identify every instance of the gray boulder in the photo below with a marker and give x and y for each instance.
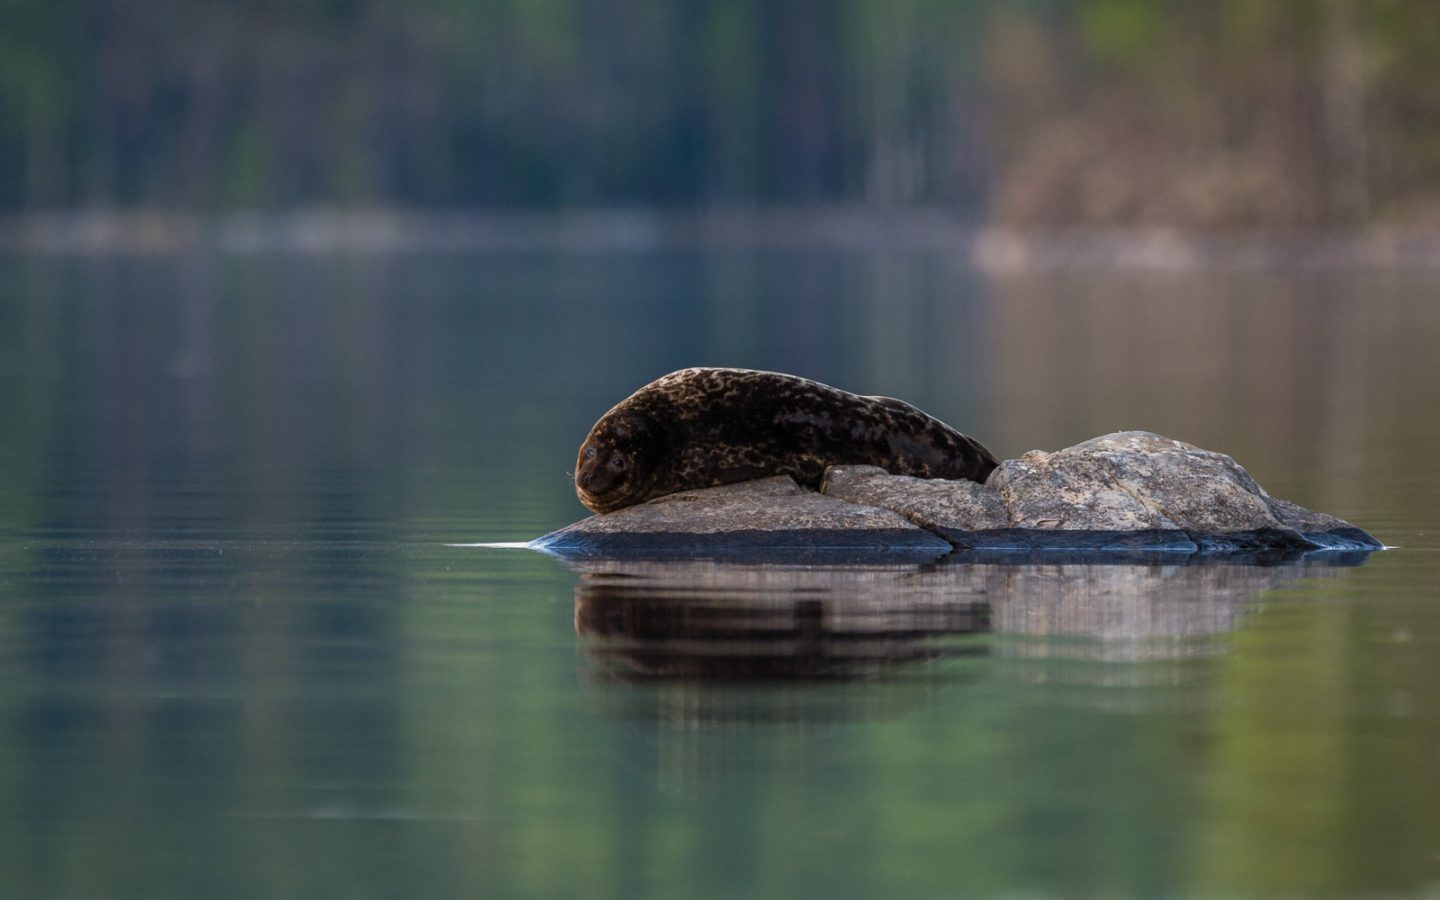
(1132, 480)
(933, 504)
(1132, 492)
(769, 516)
(1143, 482)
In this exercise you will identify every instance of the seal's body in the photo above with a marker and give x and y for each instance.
(698, 428)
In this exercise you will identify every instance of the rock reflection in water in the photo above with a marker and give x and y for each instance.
(707, 658)
(713, 620)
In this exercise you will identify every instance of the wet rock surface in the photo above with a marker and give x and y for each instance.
(1129, 492)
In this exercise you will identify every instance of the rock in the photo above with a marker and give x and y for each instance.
(1138, 481)
(1319, 528)
(1132, 492)
(1135, 479)
(770, 514)
(951, 509)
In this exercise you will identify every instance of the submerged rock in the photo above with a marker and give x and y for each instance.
(1130, 491)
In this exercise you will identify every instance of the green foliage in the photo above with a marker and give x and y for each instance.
(552, 103)
(1129, 31)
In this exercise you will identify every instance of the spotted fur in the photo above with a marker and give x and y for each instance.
(703, 427)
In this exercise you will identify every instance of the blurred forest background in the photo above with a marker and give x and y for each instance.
(1227, 114)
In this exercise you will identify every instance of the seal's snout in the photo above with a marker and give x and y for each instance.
(596, 475)
(585, 465)
(588, 482)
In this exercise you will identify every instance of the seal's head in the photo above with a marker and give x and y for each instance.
(616, 462)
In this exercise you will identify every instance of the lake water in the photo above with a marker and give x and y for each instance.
(239, 657)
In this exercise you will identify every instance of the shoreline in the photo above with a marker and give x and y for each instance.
(988, 248)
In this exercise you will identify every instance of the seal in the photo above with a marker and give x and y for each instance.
(703, 427)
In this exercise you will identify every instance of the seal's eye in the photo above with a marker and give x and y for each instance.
(589, 452)
(618, 463)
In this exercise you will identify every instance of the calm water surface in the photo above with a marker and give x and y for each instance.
(238, 657)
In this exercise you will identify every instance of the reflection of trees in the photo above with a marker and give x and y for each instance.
(332, 678)
(156, 688)
(224, 397)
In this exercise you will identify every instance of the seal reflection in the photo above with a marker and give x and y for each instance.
(710, 621)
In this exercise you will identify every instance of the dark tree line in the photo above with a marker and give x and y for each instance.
(1044, 111)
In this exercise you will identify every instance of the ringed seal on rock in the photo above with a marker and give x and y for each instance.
(703, 427)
